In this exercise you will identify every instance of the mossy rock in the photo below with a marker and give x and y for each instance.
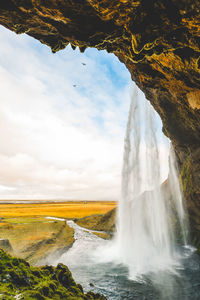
(17, 277)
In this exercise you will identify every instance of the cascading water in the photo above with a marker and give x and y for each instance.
(147, 213)
(149, 217)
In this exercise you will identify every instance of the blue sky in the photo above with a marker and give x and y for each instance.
(60, 140)
(62, 121)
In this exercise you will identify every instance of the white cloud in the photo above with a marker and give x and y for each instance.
(57, 140)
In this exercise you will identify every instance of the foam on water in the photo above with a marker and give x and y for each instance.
(112, 280)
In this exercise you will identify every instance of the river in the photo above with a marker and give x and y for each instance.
(112, 279)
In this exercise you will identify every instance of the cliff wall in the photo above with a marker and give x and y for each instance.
(158, 41)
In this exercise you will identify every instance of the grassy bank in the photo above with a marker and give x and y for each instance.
(33, 237)
(104, 223)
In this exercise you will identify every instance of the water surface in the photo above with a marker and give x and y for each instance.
(112, 280)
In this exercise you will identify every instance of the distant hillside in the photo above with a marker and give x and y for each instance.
(104, 222)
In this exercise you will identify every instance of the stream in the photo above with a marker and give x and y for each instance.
(112, 279)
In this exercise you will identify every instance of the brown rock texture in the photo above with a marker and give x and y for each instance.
(158, 41)
(5, 244)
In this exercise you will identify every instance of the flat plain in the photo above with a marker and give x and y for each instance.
(71, 209)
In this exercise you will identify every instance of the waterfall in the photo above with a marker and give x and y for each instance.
(148, 246)
(150, 210)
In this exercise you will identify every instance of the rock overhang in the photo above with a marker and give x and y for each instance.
(158, 41)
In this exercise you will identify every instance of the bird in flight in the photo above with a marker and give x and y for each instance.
(84, 64)
(74, 85)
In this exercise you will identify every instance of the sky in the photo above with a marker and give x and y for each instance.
(62, 123)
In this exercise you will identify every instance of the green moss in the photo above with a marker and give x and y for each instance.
(30, 295)
(42, 283)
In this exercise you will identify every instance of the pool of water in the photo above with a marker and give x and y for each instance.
(112, 279)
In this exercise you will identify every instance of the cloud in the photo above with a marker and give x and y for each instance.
(62, 123)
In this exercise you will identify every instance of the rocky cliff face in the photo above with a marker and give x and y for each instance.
(158, 41)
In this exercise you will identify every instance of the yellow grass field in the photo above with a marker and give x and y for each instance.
(78, 209)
